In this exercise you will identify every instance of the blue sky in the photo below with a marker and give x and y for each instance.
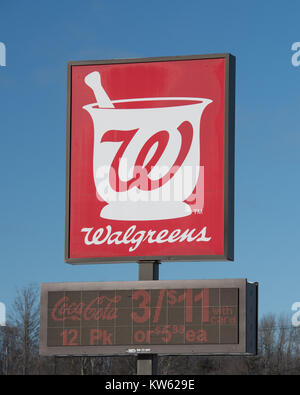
(41, 37)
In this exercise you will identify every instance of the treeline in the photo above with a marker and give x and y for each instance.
(278, 350)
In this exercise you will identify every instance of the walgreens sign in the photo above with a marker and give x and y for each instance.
(150, 159)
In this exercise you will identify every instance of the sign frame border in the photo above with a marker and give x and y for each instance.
(229, 137)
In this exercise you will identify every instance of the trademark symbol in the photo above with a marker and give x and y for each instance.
(197, 211)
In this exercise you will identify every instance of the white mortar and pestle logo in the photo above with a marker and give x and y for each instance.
(146, 160)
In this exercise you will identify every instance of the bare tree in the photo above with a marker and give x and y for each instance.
(24, 316)
(8, 350)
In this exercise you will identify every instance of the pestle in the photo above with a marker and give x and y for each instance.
(93, 80)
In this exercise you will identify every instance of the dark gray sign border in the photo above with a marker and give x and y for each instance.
(229, 130)
(247, 319)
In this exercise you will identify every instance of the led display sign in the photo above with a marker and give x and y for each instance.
(196, 316)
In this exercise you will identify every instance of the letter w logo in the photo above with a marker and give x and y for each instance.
(140, 177)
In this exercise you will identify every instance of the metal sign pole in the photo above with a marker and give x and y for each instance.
(147, 363)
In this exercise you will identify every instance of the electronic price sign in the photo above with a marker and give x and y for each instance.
(164, 317)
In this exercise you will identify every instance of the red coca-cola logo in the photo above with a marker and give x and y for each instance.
(100, 308)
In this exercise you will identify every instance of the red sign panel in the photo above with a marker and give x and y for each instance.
(149, 170)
